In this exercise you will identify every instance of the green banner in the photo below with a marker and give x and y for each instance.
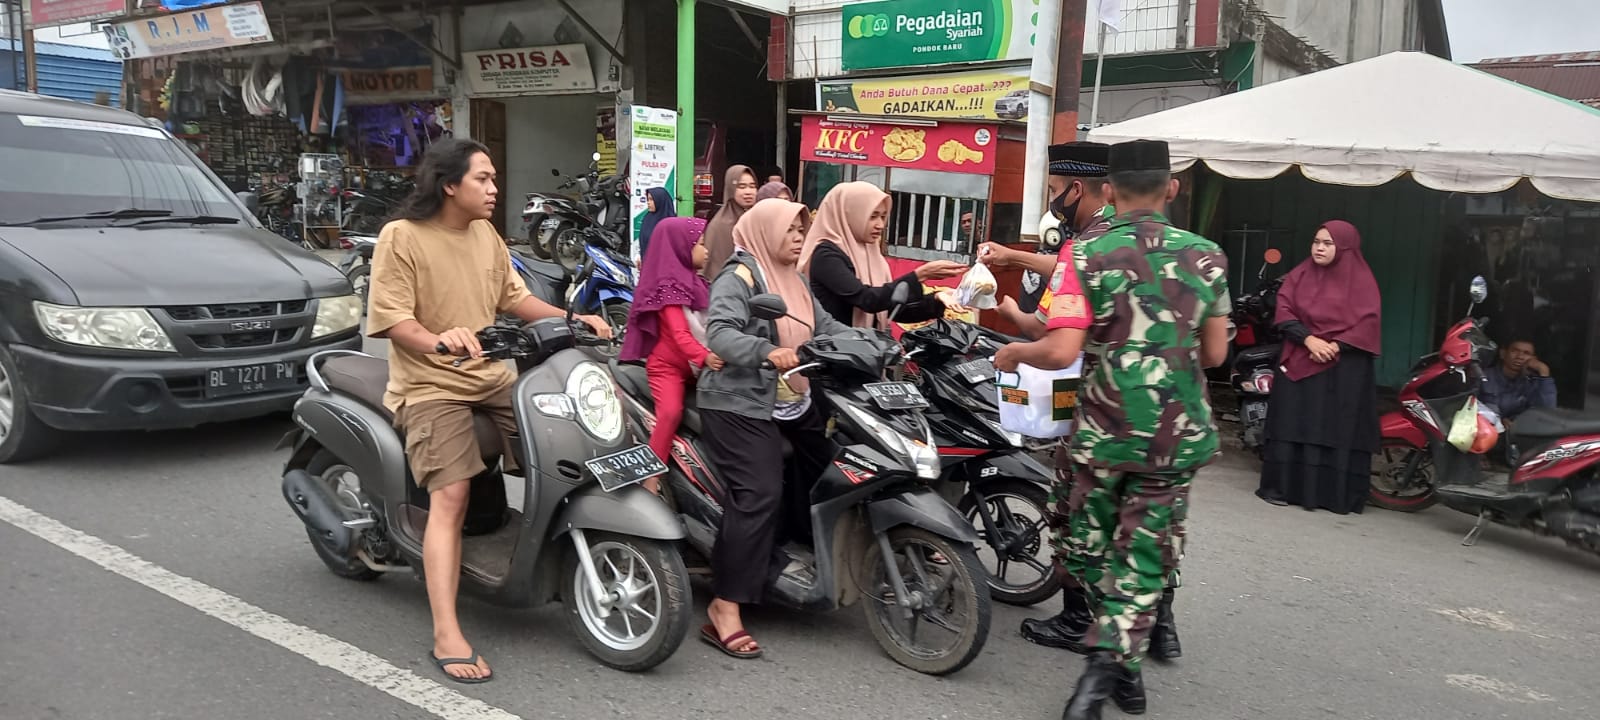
(907, 33)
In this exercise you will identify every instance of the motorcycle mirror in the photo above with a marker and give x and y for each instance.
(596, 157)
(768, 306)
(555, 173)
(252, 201)
(1273, 256)
(898, 298)
(1479, 289)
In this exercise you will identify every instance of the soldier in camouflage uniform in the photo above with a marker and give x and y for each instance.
(1157, 301)
(1087, 215)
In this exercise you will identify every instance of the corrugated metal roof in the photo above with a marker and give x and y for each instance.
(61, 50)
(1575, 76)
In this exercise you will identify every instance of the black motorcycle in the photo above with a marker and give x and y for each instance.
(554, 222)
(879, 535)
(583, 534)
(1256, 347)
(989, 473)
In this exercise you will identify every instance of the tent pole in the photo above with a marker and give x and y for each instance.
(1099, 72)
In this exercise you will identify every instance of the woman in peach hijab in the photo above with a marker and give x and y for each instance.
(747, 411)
(843, 257)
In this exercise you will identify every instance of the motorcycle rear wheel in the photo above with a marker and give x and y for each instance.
(651, 574)
(1007, 524)
(958, 585)
(332, 471)
(1387, 465)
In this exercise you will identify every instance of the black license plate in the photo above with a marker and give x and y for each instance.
(896, 395)
(976, 371)
(250, 379)
(619, 470)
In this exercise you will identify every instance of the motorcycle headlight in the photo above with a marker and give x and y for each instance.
(112, 328)
(337, 315)
(922, 453)
(595, 401)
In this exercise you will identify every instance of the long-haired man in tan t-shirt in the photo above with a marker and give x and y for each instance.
(440, 273)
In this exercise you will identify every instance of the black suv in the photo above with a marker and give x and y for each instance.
(136, 290)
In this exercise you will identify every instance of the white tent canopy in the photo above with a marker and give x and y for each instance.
(1453, 128)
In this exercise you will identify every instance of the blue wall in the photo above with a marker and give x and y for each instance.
(67, 71)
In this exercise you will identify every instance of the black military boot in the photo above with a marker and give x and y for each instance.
(1065, 630)
(1164, 643)
(1098, 682)
(1129, 692)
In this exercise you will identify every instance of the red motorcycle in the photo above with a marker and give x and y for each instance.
(1553, 484)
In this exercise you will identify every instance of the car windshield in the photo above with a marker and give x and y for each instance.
(81, 167)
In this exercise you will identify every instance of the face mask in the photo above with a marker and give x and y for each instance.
(1063, 212)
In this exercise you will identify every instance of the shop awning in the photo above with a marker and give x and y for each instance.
(1451, 127)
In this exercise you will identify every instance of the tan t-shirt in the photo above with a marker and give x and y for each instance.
(442, 278)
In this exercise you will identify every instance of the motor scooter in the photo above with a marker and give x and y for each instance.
(880, 536)
(1552, 487)
(1256, 347)
(582, 531)
(987, 472)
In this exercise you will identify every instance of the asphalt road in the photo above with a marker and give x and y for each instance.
(1286, 615)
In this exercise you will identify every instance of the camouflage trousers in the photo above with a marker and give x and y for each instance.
(1123, 541)
(1058, 518)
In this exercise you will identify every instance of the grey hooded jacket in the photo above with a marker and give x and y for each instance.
(743, 342)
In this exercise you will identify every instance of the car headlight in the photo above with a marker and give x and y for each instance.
(594, 396)
(924, 456)
(337, 315)
(112, 328)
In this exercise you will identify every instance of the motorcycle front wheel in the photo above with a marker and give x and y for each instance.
(1017, 510)
(648, 605)
(951, 599)
(1392, 490)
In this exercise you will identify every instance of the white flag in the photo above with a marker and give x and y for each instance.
(1111, 13)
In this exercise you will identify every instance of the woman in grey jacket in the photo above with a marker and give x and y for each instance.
(748, 410)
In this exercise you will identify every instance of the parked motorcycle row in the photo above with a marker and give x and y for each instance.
(924, 481)
(1549, 485)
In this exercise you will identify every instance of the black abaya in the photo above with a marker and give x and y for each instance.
(1321, 434)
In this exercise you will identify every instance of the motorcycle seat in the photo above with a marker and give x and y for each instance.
(1554, 423)
(364, 379)
(636, 382)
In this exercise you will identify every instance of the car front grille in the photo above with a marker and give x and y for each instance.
(239, 326)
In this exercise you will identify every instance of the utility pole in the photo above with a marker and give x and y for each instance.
(27, 49)
(685, 169)
(1069, 70)
(1042, 86)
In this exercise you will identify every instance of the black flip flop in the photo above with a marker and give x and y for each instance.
(708, 633)
(442, 662)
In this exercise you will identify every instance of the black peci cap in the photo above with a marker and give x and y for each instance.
(1079, 159)
(1139, 155)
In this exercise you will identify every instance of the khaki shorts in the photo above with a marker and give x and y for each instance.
(441, 444)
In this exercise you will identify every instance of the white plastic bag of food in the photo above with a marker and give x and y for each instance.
(1464, 426)
(1039, 403)
(977, 288)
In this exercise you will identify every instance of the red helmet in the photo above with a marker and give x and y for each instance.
(1487, 436)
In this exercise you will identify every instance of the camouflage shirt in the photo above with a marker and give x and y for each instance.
(1150, 287)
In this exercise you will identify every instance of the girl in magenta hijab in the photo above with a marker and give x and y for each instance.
(1322, 420)
(666, 327)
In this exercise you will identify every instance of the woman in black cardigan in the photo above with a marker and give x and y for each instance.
(843, 258)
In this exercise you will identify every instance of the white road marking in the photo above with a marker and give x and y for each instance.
(1501, 689)
(323, 650)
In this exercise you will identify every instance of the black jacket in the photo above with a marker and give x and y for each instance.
(840, 292)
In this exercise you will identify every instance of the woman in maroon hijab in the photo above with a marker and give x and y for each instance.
(1322, 423)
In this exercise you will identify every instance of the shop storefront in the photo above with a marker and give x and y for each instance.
(947, 178)
(543, 88)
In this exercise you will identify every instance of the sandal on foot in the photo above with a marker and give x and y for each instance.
(443, 662)
(708, 633)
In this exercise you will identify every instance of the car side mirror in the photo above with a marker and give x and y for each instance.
(252, 201)
(768, 306)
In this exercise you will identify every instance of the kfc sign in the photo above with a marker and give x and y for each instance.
(548, 70)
